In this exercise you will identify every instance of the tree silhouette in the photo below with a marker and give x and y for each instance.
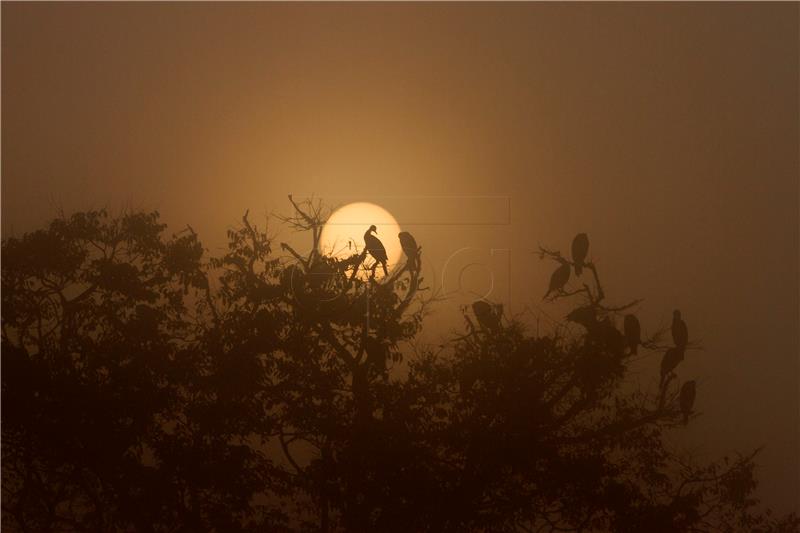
(149, 387)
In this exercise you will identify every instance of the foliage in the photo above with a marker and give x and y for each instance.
(148, 387)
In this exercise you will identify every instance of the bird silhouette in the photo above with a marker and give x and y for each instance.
(633, 333)
(688, 393)
(558, 279)
(580, 247)
(488, 318)
(410, 248)
(586, 316)
(611, 338)
(672, 358)
(680, 333)
(376, 249)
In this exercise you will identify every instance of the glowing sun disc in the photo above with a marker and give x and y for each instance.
(343, 234)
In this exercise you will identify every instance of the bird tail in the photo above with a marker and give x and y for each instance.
(385, 271)
(578, 269)
(634, 349)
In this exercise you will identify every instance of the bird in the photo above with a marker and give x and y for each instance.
(487, 317)
(586, 316)
(688, 393)
(672, 358)
(580, 247)
(612, 339)
(633, 333)
(558, 279)
(409, 246)
(375, 248)
(680, 333)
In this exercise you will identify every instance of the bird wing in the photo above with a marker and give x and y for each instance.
(670, 361)
(560, 277)
(680, 333)
(375, 247)
(483, 312)
(632, 328)
(408, 243)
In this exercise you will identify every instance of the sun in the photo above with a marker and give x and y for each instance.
(343, 234)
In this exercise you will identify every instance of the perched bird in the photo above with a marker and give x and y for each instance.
(488, 318)
(410, 247)
(558, 279)
(633, 333)
(611, 338)
(375, 248)
(670, 362)
(586, 316)
(688, 392)
(680, 333)
(580, 247)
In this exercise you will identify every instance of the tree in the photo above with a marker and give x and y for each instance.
(114, 405)
(149, 387)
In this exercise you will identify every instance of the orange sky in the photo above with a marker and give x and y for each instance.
(668, 132)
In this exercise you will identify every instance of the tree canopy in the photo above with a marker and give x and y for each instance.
(148, 386)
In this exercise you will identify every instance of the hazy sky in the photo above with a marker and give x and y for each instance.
(668, 132)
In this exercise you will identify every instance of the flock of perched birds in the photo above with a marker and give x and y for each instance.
(377, 250)
(488, 316)
(631, 326)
